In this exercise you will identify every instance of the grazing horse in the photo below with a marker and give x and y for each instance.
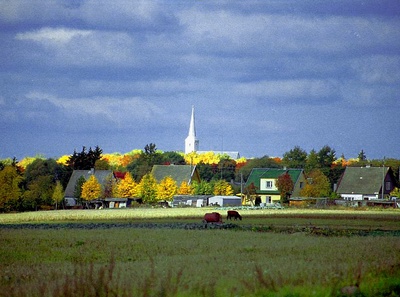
(233, 214)
(213, 217)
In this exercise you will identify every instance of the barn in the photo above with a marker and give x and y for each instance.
(225, 201)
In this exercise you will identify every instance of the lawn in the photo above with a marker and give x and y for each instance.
(269, 253)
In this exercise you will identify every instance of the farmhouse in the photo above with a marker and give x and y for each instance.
(101, 176)
(264, 182)
(366, 183)
(179, 173)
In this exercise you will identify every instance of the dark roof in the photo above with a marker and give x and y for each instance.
(179, 173)
(76, 174)
(271, 173)
(362, 180)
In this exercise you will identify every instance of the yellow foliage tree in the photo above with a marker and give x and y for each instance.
(127, 187)
(91, 189)
(58, 194)
(167, 188)
(223, 188)
(185, 189)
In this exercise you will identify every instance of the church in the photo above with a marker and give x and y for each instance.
(192, 142)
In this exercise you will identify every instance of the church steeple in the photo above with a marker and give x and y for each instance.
(191, 142)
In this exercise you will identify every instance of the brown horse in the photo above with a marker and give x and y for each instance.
(233, 214)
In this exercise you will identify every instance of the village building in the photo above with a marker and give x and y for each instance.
(366, 183)
(264, 182)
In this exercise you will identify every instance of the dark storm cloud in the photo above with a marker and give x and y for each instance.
(264, 76)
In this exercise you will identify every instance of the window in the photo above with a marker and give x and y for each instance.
(268, 184)
(301, 185)
(388, 186)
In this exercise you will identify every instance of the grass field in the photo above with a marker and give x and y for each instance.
(277, 254)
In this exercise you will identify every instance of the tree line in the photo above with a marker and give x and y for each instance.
(40, 184)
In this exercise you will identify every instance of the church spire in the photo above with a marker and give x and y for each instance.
(191, 142)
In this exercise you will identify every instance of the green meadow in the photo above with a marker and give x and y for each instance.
(170, 252)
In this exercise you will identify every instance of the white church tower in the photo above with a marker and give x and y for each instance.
(191, 142)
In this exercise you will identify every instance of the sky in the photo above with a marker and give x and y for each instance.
(263, 76)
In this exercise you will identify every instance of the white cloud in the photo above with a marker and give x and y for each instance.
(288, 91)
(116, 110)
(83, 47)
(59, 36)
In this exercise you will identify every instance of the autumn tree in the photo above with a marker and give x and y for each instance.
(91, 189)
(250, 193)
(185, 189)
(10, 190)
(285, 185)
(147, 189)
(58, 194)
(317, 185)
(167, 188)
(127, 187)
(223, 188)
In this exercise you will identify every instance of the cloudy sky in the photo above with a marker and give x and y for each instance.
(264, 76)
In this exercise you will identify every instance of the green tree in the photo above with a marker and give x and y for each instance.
(317, 186)
(10, 190)
(295, 158)
(226, 169)
(312, 161)
(58, 194)
(202, 188)
(326, 157)
(362, 156)
(78, 187)
(147, 189)
(264, 162)
(39, 193)
(91, 189)
(85, 159)
(285, 186)
(145, 162)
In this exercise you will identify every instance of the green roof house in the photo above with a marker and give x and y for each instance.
(179, 173)
(365, 183)
(264, 180)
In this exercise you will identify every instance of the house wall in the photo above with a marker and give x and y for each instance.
(299, 185)
(268, 184)
(270, 198)
(352, 197)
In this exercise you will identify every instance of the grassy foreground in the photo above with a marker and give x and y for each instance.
(177, 262)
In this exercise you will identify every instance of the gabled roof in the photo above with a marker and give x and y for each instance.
(179, 173)
(362, 180)
(271, 173)
(76, 174)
